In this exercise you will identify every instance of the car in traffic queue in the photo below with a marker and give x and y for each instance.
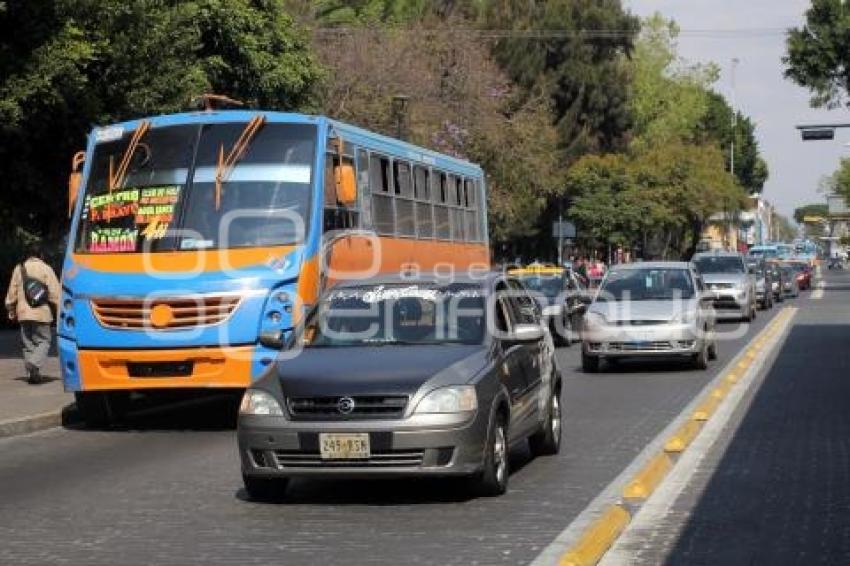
(652, 309)
(398, 377)
(764, 286)
(727, 276)
(802, 273)
(777, 280)
(790, 283)
(560, 294)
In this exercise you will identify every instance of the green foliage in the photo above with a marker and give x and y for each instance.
(68, 64)
(584, 76)
(821, 210)
(839, 182)
(668, 97)
(818, 54)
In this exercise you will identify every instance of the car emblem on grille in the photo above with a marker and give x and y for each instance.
(345, 405)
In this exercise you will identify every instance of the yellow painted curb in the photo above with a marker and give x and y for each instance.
(706, 408)
(597, 539)
(646, 480)
(743, 364)
(752, 353)
(732, 377)
(721, 390)
(683, 437)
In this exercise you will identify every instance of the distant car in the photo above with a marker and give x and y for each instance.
(727, 276)
(652, 309)
(764, 290)
(559, 292)
(405, 378)
(790, 284)
(803, 274)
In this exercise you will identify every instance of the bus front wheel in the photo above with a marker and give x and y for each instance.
(102, 408)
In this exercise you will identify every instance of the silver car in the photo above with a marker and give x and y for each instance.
(733, 284)
(655, 309)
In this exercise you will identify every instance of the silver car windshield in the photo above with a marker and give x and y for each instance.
(651, 284)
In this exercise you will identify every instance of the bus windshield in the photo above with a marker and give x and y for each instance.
(167, 199)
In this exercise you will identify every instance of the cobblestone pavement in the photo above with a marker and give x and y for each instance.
(167, 489)
(775, 489)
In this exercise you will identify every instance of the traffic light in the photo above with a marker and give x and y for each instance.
(818, 134)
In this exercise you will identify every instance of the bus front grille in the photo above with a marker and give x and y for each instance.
(163, 313)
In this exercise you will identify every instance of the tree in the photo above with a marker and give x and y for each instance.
(839, 182)
(818, 54)
(583, 73)
(816, 210)
(68, 64)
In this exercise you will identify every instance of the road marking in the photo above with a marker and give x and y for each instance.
(598, 538)
(818, 293)
(740, 368)
(659, 503)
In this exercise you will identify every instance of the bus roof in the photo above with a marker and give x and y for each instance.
(372, 140)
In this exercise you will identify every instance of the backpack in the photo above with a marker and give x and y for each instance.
(35, 291)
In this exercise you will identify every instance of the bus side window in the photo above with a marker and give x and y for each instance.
(363, 189)
(383, 214)
(442, 223)
(337, 216)
(405, 216)
(424, 209)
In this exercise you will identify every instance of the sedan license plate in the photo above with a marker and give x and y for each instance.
(333, 446)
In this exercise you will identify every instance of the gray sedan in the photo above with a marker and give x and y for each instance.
(400, 378)
(657, 309)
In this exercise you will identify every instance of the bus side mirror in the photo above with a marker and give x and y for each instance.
(75, 179)
(346, 185)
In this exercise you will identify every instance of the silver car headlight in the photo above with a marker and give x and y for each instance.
(594, 319)
(258, 402)
(452, 399)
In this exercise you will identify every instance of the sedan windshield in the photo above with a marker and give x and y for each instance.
(548, 285)
(167, 197)
(647, 285)
(719, 264)
(398, 314)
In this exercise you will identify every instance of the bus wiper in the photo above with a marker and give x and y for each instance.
(226, 165)
(117, 178)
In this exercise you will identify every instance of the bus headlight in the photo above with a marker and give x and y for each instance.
(258, 402)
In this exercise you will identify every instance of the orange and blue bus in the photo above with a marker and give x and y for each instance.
(198, 240)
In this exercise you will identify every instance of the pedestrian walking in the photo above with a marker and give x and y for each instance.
(32, 298)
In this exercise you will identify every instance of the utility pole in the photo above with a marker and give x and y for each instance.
(735, 62)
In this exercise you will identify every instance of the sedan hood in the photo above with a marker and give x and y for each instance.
(733, 278)
(662, 311)
(376, 370)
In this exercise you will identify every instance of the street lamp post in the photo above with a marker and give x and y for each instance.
(400, 104)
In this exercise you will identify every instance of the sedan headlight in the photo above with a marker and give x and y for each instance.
(257, 402)
(454, 399)
(594, 319)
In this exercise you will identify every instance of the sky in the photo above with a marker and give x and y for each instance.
(720, 30)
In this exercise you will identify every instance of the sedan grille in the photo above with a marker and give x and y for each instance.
(382, 459)
(640, 346)
(175, 312)
(335, 408)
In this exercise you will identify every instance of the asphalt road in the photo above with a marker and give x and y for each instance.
(167, 489)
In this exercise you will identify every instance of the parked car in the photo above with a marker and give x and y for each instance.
(727, 276)
(777, 281)
(803, 274)
(559, 292)
(402, 377)
(764, 291)
(652, 309)
(790, 284)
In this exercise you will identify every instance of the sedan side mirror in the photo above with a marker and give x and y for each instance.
(527, 333)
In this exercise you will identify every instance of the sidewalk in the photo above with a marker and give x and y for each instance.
(24, 407)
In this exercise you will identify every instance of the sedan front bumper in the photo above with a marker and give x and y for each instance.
(440, 445)
(673, 339)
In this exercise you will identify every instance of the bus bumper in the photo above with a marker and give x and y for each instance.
(185, 368)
